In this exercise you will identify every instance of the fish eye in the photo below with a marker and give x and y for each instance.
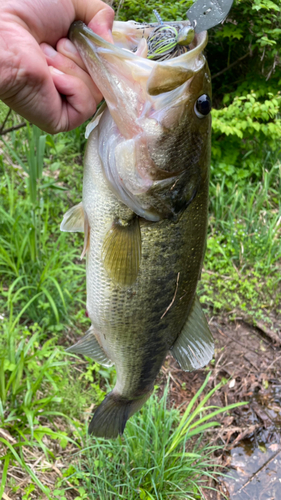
(203, 106)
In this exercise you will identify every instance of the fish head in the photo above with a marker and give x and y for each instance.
(163, 107)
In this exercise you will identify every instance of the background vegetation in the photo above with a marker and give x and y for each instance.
(44, 399)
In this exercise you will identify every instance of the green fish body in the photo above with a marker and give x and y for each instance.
(144, 213)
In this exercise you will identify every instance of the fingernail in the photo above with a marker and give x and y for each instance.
(55, 70)
(69, 47)
(48, 50)
(109, 36)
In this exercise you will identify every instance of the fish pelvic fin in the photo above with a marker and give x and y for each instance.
(194, 347)
(121, 251)
(110, 417)
(73, 220)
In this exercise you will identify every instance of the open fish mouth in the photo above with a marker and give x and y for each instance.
(126, 64)
(130, 37)
(146, 99)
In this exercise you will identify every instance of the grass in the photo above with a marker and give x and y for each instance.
(242, 264)
(30, 399)
(158, 457)
(35, 257)
(34, 273)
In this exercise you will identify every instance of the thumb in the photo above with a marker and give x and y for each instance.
(97, 15)
(102, 23)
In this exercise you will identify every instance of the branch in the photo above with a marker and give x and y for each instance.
(10, 129)
(231, 65)
(5, 121)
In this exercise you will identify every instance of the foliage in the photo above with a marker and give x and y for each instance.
(243, 54)
(152, 460)
(245, 132)
(142, 11)
(242, 267)
(38, 283)
(30, 379)
(35, 263)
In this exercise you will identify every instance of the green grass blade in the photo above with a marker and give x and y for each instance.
(24, 309)
(52, 303)
(20, 460)
(4, 474)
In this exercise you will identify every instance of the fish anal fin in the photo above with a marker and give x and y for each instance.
(194, 347)
(121, 251)
(110, 417)
(89, 346)
(73, 220)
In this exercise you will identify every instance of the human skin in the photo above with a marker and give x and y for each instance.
(42, 76)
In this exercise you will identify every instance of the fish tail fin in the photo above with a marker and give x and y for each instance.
(110, 418)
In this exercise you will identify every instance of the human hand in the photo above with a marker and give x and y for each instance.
(49, 87)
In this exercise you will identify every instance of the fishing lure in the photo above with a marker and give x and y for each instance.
(169, 40)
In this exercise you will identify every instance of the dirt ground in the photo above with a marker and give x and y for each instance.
(250, 358)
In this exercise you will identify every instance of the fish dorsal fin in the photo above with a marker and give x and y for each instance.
(194, 347)
(73, 220)
(166, 78)
(121, 251)
(89, 346)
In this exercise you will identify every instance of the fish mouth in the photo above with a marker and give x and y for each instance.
(128, 35)
(134, 86)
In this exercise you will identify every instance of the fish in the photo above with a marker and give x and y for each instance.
(144, 214)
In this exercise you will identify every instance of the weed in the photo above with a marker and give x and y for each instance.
(157, 458)
(242, 265)
(27, 374)
(38, 280)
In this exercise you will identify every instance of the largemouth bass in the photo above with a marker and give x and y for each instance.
(144, 214)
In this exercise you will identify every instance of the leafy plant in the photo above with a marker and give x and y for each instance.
(25, 371)
(30, 396)
(242, 266)
(244, 57)
(39, 286)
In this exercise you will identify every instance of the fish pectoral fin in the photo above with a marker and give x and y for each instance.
(95, 120)
(121, 251)
(194, 347)
(73, 220)
(166, 78)
(110, 417)
(89, 346)
(86, 236)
